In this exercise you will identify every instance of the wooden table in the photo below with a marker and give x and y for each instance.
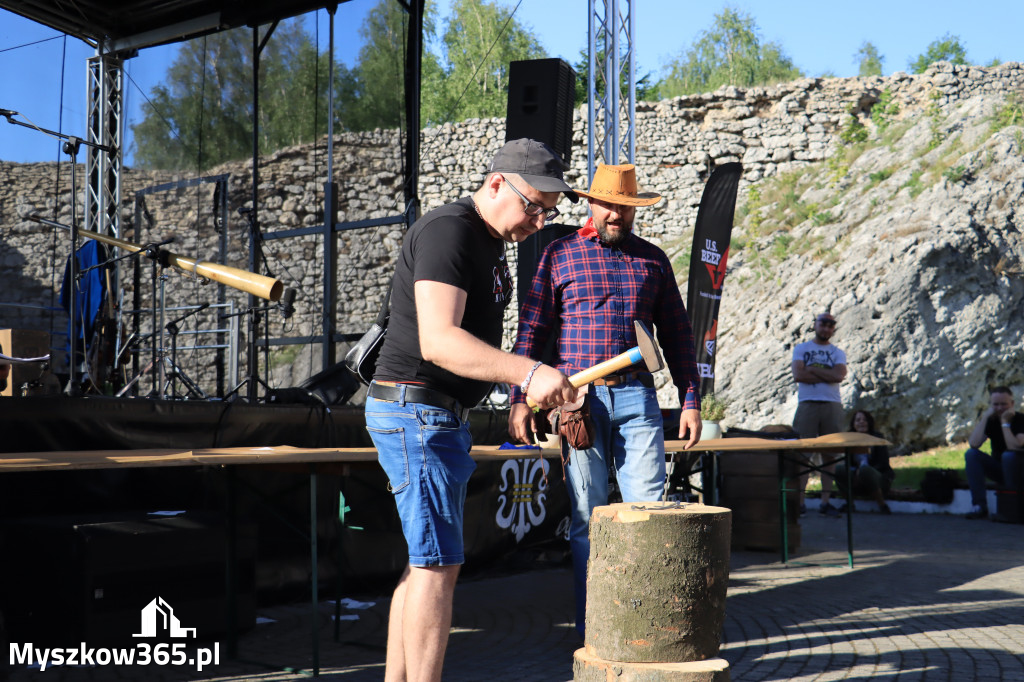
(311, 460)
(70, 460)
(790, 451)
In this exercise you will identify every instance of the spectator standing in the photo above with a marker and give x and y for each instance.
(818, 367)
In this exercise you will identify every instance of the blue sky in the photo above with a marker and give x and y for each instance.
(45, 81)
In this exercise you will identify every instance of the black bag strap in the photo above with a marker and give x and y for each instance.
(385, 307)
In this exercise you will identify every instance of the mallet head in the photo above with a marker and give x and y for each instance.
(648, 347)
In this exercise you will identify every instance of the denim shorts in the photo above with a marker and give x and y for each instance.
(424, 451)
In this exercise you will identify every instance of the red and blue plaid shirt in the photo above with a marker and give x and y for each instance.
(589, 293)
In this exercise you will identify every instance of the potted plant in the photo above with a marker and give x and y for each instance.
(712, 411)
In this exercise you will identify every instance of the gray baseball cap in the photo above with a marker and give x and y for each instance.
(536, 162)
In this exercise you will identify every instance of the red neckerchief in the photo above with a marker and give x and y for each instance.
(588, 230)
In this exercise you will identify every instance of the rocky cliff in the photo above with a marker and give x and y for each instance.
(912, 239)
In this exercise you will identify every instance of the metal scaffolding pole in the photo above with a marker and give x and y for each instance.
(611, 134)
(105, 129)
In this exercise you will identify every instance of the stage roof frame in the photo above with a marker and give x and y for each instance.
(119, 27)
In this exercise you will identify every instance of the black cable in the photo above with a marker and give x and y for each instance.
(483, 61)
(56, 188)
(36, 42)
(158, 113)
(202, 112)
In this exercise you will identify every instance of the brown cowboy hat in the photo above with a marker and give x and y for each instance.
(617, 185)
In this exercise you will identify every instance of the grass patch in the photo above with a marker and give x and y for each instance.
(284, 356)
(955, 174)
(884, 111)
(880, 176)
(681, 263)
(914, 184)
(910, 469)
(1011, 113)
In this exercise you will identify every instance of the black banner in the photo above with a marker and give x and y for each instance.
(711, 236)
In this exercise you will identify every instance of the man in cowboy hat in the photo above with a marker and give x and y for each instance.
(440, 356)
(588, 289)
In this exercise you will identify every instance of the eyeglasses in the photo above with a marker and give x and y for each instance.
(531, 208)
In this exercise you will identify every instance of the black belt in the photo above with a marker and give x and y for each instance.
(644, 378)
(418, 394)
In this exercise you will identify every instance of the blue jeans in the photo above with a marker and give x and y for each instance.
(978, 465)
(424, 450)
(629, 437)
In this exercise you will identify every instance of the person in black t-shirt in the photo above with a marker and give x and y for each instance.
(440, 356)
(1004, 427)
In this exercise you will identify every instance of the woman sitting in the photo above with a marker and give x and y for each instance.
(871, 474)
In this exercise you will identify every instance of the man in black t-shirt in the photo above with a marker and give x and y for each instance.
(1004, 427)
(440, 356)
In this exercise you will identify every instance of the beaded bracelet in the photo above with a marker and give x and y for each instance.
(529, 375)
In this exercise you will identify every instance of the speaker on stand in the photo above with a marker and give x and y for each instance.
(540, 103)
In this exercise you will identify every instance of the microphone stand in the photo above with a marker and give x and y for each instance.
(70, 147)
(253, 380)
(175, 371)
(256, 257)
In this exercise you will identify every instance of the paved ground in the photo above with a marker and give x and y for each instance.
(930, 597)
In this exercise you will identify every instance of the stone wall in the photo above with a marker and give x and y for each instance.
(772, 131)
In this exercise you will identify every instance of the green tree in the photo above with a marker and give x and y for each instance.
(729, 53)
(479, 42)
(202, 114)
(868, 60)
(944, 49)
(646, 90)
(378, 99)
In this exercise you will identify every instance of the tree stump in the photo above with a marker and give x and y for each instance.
(656, 582)
(587, 668)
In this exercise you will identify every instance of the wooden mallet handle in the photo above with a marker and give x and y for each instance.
(602, 369)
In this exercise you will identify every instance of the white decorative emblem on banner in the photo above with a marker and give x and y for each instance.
(520, 508)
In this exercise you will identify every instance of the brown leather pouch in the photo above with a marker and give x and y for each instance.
(575, 423)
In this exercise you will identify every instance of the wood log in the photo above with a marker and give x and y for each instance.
(656, 582)
(587, 668)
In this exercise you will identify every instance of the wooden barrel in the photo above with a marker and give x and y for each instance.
(656, 582)
(750, 488)
(587, 668)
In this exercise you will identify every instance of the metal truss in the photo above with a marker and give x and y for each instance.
(105, 126)
(611, 134)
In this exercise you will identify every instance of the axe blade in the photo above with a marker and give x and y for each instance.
(648, 347)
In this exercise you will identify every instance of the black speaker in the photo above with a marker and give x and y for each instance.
(333, 386)
(540, 103)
